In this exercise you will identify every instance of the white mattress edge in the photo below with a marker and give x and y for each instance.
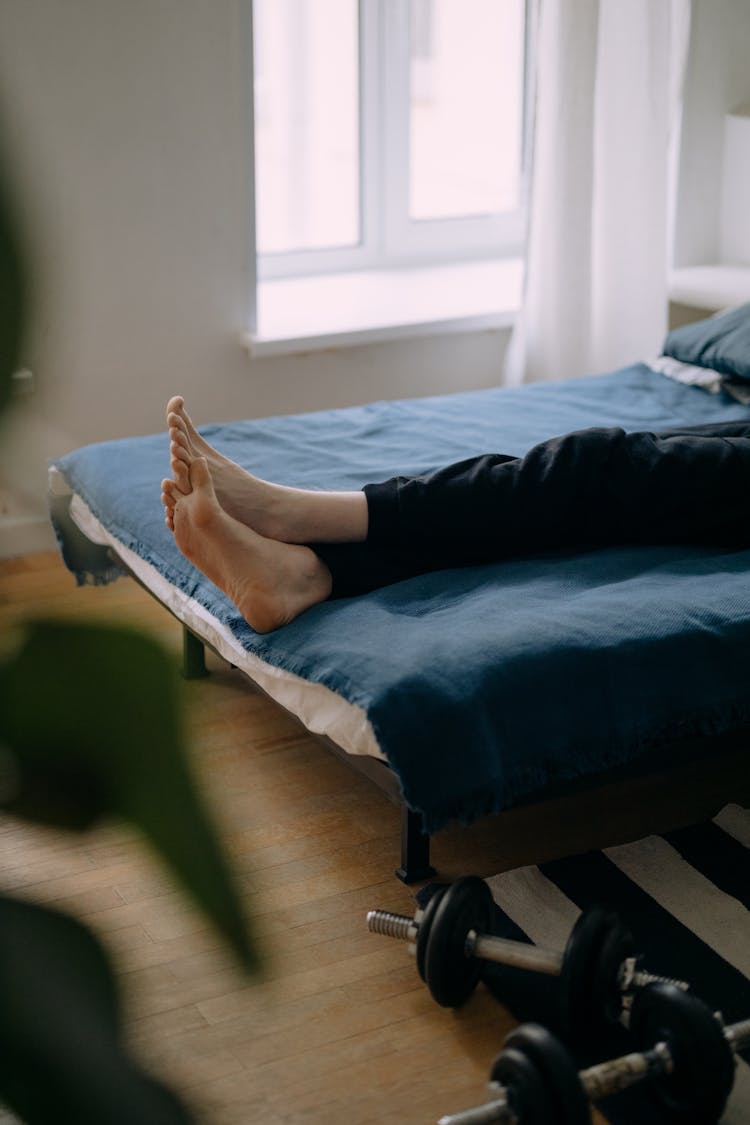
(320, 709)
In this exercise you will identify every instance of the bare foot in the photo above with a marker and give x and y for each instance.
(252, 501)
(275, 511)
(271, 583)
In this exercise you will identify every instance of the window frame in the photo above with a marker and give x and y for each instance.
(388, 237)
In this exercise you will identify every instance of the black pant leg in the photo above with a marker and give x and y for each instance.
(586, 489)
(358, 568)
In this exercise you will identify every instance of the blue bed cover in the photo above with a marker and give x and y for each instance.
(489, 686)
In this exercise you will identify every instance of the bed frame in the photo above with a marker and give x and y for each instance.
(657, 801)
(683, 782)
(612, 808)
(415, 863)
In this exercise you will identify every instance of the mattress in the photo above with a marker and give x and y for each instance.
(482, 687)
(321, 710)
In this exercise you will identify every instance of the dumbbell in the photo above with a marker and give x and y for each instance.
(599, 969)
(686, 1055)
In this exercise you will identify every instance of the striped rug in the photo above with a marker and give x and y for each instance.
(685, 896)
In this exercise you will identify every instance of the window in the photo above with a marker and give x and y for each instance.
(387, 133)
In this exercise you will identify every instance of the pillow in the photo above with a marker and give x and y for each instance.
(721, 342)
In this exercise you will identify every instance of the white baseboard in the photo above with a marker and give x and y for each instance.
(25, 535)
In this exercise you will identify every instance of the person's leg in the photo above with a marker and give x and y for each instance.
(291, 515)
(270, 582)
(585, 489)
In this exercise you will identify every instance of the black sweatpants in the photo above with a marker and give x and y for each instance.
(590, 488)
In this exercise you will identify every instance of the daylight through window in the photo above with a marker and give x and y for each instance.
(387, 132)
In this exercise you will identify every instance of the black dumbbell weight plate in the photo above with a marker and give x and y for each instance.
(696, 1091)
(425, 924)
(542, 1083)
(616, 947)
(588, 957)
(450, 975)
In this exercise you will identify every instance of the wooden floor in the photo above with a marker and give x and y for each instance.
(339, 1029)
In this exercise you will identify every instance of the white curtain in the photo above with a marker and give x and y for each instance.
(606, 111)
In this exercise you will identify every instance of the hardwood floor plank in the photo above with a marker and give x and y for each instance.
(338, 1029)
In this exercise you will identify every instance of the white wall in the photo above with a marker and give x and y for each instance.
(718, 82)
(128, 125)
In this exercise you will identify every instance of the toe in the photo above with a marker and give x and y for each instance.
(179, 467)
(175, 404)
(178, 445)
(177, 433)
(200, 477)
(171, 493)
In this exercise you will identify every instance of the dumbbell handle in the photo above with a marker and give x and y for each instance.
(598, 1081)
(486, 1114)
(632, 977)
(485, 946)
(504, 951)
(601, 1080)
(516, 953)
(613, 1075)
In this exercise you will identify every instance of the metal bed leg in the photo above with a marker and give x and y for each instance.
(415, 849)
(193, 656)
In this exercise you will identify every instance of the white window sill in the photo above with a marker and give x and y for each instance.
(710, 287)
(337, 310)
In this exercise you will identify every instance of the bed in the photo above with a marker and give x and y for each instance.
(471, 691)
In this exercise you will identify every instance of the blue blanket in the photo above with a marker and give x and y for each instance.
(494, 685)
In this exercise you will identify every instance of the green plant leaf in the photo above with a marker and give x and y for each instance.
(61, 1057)
(90, 716)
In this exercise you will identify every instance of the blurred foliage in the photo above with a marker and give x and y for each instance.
(91, 717)
(61, 1056)
(89, 728)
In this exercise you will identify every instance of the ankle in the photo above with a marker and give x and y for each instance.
(298, 580)
(296, 515)
(278, 515)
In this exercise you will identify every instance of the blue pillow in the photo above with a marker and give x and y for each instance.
(721, 343)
